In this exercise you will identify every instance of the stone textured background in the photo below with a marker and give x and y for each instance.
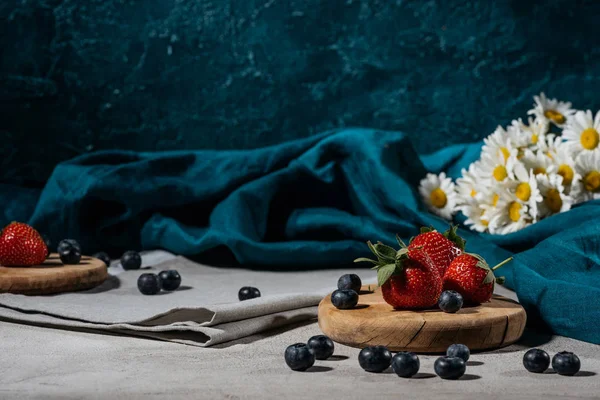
(79, 76)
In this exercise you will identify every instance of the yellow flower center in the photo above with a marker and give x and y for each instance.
(539, 170)
(495, 199)
(514, 211)
(520, 153)
(567, 173)
(534, 138)
(592, 181)
(500, 173)
(473, 192)
(553, 200)
(555, 116)
(523, 191)
(589, 139)
(505, 153)
(438, 198)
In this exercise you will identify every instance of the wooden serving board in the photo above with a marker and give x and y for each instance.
(53, 277)
(374, 322)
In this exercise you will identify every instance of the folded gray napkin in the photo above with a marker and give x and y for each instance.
(204, 311)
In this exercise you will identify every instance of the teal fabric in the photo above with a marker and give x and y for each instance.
(312, 203)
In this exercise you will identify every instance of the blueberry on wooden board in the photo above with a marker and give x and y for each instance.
(248, 292)
(102, 256)
(344, 299)
(131, 260)
(350, 281)
(536, 360)
(148, 284)
(169, 279)
(566, 363)
(460, 351)
(322, 346)
(405, 364)
(70, 255)
(450, 301)
(299, 357)
(65, 243)
(450, 367)
(375, 358)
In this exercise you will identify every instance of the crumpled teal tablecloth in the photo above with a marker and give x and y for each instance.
(309, 203)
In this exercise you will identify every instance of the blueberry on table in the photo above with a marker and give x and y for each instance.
(299, 357)
(375, 358)
(450, 301)
(350, 281)
(248, 292)
(460, 351)
(148, 284)
(102, 256)
(344, 299)
(321, 346)
(131, 260)
(66, 243)
(450, 367)
(169, 279)
(405, 364)
(566, 363)
(536, 360)
(70, 255)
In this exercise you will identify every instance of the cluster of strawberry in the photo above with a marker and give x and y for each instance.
(414, 276)
(21, 245)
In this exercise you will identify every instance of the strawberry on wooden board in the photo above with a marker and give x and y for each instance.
(470, 275)
(407, 278)
(21, 245)
(441, 248)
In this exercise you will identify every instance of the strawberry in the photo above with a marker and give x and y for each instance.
(407, 278)
(21, 245)
(470, 275)
(441, 248)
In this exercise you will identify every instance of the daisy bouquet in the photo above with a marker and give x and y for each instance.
(526, 171)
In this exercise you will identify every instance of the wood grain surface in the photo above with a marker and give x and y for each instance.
(53, 277)
(374, 322)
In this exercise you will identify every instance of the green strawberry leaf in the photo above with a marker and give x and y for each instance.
(364, 259)
(400, 242)
(452, 235)
(427, 229)
(386, 252)
(489, 278)
(384, 273)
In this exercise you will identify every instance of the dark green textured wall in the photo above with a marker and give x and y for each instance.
(78, 76)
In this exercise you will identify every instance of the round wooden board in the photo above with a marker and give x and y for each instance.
(374, 322)
(53, 277)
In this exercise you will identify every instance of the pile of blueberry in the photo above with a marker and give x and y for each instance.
(150, 283)
(302, 356)
(69, 251)
(564, 363)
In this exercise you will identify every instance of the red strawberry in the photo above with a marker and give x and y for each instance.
(21, 245)
(407, 280)
(470, 275)
(441, 248)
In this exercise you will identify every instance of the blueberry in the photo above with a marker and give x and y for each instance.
(299, 357)
(450, 301)
(248, 292)
(350, 281)
(566, 363)
(536, 360)
(450, 367)
(149, 283)
(70, 255)
(460, 351)
(375, 358)
(169, 279)
(322, 346)
(102, 256)
(63, 244)
(131, 260)
(405, 364)
(344, 299)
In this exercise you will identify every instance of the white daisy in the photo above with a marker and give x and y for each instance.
(439, 194)
(582, 132)
(476, 216)
(525, 188)
(536, 161)
(563, 164)
(553, 193)
(551, 110)
(510, 215)
(496, 167)
(587, 165)
(499, 142)
(467, 185)
(527, 135)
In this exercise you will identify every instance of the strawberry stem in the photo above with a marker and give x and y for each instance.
(509, 259)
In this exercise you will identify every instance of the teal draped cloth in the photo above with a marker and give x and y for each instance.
(311, 203)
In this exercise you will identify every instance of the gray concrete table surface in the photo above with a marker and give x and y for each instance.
(44, 363)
